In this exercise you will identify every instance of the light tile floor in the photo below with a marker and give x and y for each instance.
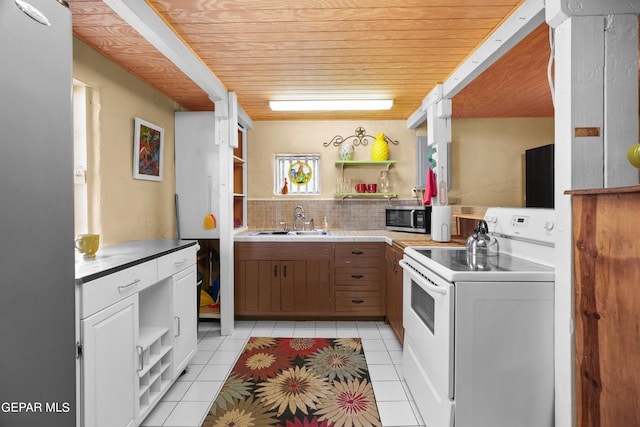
(188, 400)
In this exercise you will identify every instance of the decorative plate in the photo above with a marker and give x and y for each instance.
(300, 173)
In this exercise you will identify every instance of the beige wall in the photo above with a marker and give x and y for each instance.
(269, 138)
(122, 208)
(487, 156)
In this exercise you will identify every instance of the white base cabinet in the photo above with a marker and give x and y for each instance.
(138, 332)
(109, 379)
(185, 322)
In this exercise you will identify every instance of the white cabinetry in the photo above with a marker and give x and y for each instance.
(109, 381)
(198, 183)
(184, 318)
(137, 334)
(206, 170)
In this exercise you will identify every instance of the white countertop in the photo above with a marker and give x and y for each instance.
(386, 236)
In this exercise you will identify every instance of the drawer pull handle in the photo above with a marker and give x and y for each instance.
(357, 301)
(125, 287)
(140, 358)
(357, 252)
(357, 276)
(178, 327)
(179, 263)
(284, 271)
(275, 271)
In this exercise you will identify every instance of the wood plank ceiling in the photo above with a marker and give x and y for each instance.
(276, 49)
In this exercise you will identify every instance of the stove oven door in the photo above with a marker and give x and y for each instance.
(428, 359)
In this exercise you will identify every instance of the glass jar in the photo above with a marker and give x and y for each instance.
(345, 151)
(384, 184)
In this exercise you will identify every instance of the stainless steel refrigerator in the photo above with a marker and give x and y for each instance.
(37, 330)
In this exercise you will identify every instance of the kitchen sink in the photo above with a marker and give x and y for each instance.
(289, 233)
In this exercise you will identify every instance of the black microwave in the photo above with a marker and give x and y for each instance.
(414, 219)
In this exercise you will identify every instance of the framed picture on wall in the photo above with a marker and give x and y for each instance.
(148, 149)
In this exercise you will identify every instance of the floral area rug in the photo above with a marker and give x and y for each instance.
(297, 382)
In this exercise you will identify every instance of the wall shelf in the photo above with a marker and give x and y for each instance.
(366, 196)
(385, 163)
(380, 164)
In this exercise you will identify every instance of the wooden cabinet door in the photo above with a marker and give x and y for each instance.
(291, 272)
(394, 290)
(270, 294)
(257, 286)
(280, 279)
(109, 363)
(312, 287)
(304, 286)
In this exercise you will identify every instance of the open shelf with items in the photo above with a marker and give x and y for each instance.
(154, 374)
(384, 165)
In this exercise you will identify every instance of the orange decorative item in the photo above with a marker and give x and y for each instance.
(209, 220)
(285, 187)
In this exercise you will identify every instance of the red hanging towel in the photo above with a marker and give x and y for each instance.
(430, 189)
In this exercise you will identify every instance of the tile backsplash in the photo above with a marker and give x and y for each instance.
(348, 214)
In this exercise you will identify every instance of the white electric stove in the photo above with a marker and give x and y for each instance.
(478, 347)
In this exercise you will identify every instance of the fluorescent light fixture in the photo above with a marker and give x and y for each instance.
(331, 105)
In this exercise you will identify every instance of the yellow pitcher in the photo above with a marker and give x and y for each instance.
(380, 148)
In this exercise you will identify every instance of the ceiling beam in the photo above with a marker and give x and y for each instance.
(515, 28)
(145, 21)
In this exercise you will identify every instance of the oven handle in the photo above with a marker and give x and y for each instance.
(427, 284)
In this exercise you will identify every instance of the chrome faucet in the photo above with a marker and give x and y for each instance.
(298, 214)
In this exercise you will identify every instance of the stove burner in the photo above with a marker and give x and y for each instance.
(459, 260)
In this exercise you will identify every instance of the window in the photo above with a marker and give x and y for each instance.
(80, 193)
(297, 174)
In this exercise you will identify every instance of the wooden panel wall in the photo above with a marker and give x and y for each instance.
(607, 307)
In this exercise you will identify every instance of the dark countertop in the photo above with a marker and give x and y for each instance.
(111, 259)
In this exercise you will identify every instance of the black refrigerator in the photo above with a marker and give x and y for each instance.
(539, 177)
(37, 278)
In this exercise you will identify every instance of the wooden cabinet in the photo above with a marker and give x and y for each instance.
(303, 280)
(359, 286)
(393, 255)
(283, 279)
(607, 306)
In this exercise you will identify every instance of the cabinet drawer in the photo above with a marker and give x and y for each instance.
(358, 302)
(170, 264)
(347, 274)
(358, 254)
(357, 279)
(105, 291)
